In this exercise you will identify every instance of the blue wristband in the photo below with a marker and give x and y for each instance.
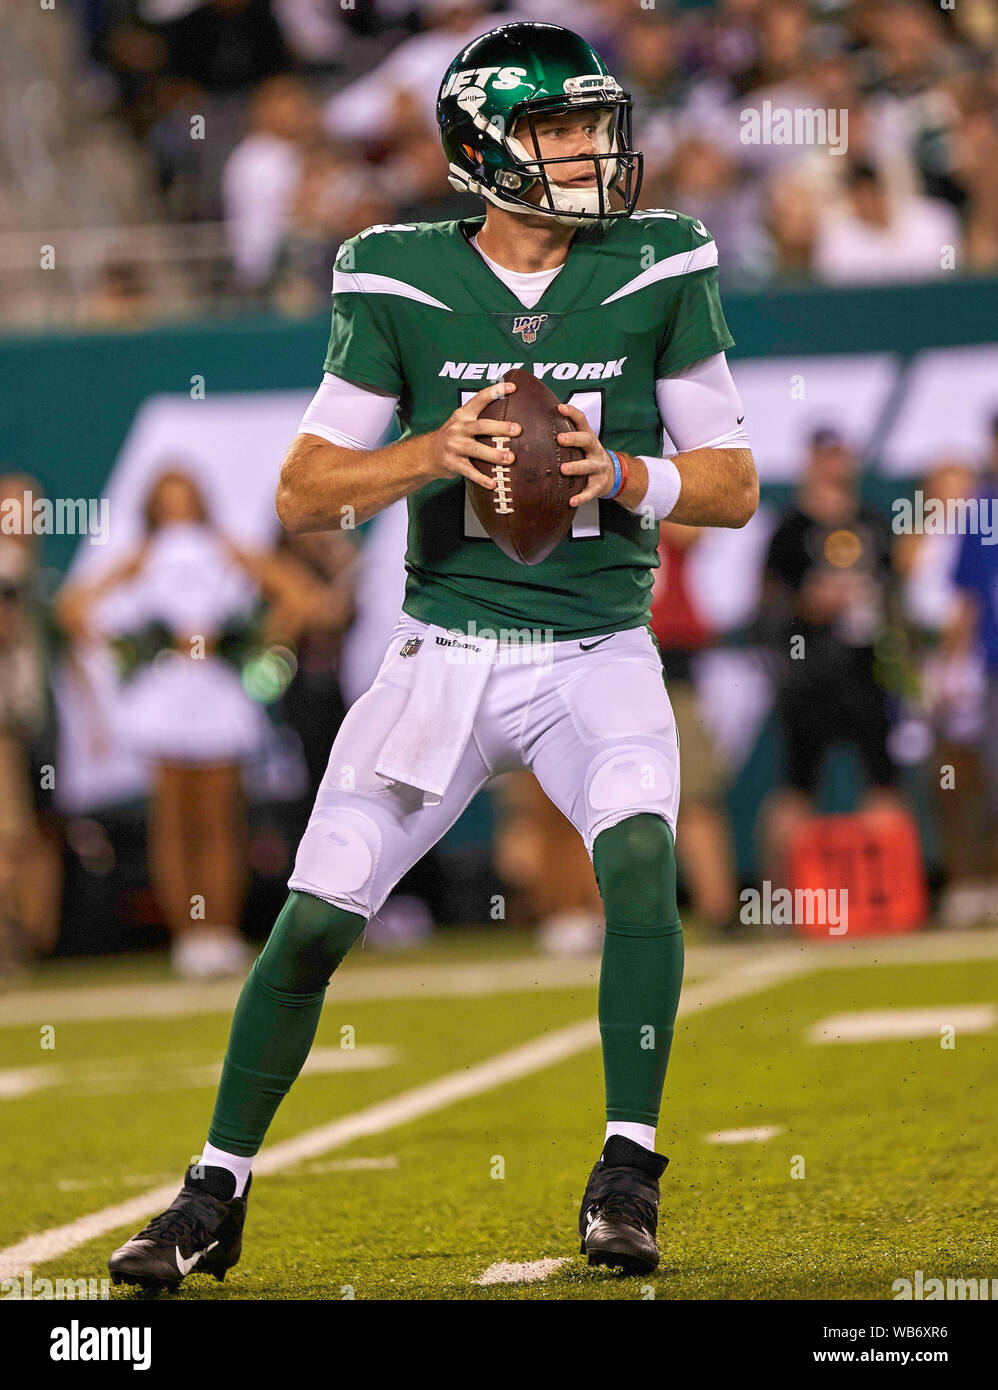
(618, 474)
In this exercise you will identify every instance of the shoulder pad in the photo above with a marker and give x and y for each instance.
(388, 246)
(664, 227)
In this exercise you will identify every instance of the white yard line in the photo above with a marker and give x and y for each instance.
(124, 1076)
(333, 1165)
(527, 1272)
(874, 1025)
(353, 1165)
(759, 1134)
(179, 998)
(524, 1060)
(129, 1180)
(910, 948)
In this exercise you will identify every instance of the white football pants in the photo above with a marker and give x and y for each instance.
(591, 720)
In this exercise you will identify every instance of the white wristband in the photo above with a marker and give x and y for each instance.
(664, 487)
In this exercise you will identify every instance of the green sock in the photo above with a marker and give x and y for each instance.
(276, 1018)
(642, 969)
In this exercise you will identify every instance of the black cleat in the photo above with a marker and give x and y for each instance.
(201, 1231)
(619, 1213)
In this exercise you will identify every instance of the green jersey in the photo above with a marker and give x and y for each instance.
(418, 314)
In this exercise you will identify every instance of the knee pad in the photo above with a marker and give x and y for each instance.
(309, 940)
(338, 858)
(630, 780)
(635, 863)
(629, 777)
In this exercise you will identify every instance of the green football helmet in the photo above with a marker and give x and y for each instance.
(517, 73)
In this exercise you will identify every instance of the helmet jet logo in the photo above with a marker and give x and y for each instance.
(504, 79)
(585, 86)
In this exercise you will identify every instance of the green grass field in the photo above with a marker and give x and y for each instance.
(880, 1159)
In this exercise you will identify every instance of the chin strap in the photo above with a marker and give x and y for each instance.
(585, 202)
(458, 179)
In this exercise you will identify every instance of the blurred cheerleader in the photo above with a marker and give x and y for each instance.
(180, 612)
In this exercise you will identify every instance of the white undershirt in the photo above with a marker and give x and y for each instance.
(528, 286)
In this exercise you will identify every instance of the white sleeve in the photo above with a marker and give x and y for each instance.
(700, 407)
(348, 415)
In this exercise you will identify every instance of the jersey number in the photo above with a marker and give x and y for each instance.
(585, 522)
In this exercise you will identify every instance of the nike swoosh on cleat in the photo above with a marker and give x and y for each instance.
(587, 647)
(185, 1266)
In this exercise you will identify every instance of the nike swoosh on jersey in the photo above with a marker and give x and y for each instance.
(185, 1266)
(587, 647)
(739, 419)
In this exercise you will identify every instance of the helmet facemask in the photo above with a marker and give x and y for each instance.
(616, 166)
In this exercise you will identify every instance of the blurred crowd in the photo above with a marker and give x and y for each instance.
(870, 642)
(300, 122)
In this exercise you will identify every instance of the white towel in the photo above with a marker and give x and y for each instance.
(426, 745)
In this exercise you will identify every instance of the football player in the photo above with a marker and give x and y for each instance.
(618, 312)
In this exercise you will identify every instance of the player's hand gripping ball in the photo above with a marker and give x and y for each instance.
(528, 512)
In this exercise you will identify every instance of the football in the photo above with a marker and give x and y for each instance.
(528, 512)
